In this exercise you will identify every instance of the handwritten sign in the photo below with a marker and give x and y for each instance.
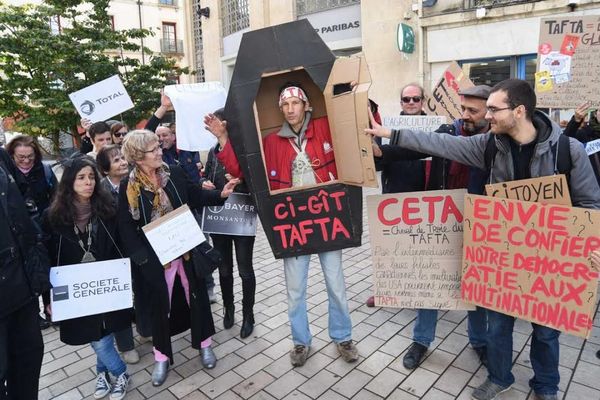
(416, 247)
(426, 123)
(85, 289)
(444, 99)
(531, 261)
(174, 234)
(569, 54)
(102, 100)
(592, 147)
(548, 189)
(236, 217)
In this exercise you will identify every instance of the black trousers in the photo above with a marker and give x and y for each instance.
(21, 353)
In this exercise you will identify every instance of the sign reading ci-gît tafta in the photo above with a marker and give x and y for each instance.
(236, 217)
(102, 100)
(85, 289)
(416, 245)
(531, 261)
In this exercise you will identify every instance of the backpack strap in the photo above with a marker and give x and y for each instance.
(563, 163)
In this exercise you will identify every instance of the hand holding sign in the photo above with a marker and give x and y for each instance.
(581, 111)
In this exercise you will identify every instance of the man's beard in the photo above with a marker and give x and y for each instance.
(473, 128)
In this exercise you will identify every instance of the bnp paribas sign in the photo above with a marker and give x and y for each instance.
(337, 24)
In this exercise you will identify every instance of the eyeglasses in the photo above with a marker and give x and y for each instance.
(119, 134)
(415, 99)
(155, 150)
(23, 158)
(494, 110)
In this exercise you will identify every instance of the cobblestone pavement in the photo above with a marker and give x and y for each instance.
(259, 368)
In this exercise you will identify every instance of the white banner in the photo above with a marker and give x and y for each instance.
(192, 102)
(90, 288)
(174, 234)
(592, 147)
(426, 123)
(102, 100)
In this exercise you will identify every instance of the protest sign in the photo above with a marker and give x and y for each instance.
(416, 248)
(102, 100)
(592, 147)
(85, 289)
(425, 123)
(192, 102)
(174, 234)
(568, 61)
(531, 261)
(547, 189)
(444, 99)
(236, 217)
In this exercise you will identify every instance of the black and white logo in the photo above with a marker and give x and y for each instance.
(87, 107)
(60, 293)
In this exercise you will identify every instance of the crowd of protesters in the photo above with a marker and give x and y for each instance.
(122, 180)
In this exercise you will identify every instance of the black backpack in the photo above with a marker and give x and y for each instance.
(563, 164)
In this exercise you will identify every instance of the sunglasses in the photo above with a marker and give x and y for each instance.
(415, 99)
(119, 134)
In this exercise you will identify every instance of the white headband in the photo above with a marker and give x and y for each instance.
(292, 91)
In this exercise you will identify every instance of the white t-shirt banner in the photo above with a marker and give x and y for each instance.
(90, 288)
(192, 102)
(102, 100)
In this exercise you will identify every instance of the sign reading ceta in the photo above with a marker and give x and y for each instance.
(108, 98)
(315, 217)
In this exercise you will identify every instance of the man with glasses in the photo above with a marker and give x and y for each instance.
(525, 140)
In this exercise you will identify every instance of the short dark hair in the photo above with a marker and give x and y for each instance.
(292, 84)
(98, 128)
(104, 156)
(518, 92)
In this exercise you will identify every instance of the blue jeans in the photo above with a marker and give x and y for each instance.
(544, 354)
(107, 357)
(424, 330)
(296, 276)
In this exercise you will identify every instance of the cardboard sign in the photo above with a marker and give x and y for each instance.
(102, 100)
(174, 234)
(416, 247)
(90, 288)
(444, 98)
(592, 147)
(571, 59)
(531, 261)
(236, 217)
(547, 189)
(190, 101)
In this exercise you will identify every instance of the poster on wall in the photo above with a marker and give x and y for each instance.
(568, 61)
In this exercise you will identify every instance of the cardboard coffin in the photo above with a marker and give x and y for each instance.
(315, 218)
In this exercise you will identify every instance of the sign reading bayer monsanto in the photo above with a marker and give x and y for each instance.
(236, 217)
(102, 100)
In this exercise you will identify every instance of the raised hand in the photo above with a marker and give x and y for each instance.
(376, 129)
(228, 189)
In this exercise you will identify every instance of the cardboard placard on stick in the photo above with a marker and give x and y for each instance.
(551, 189)
(569, 51)
(416, 247)
(444, 98)
(531, 261)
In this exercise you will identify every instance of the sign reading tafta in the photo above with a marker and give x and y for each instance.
(531, 261)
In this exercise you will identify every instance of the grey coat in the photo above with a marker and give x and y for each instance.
(469, 150)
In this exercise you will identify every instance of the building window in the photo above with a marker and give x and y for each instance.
(490, 71)
(304, 7)
(169, 42)
(198, 44)
(235, 16)
(168, 2)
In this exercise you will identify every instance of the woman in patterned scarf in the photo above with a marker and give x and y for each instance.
(178, 298)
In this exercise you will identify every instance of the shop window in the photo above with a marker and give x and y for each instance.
(490, 71)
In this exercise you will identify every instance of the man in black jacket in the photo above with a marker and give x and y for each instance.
(21, 345)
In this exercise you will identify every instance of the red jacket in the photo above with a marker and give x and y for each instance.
(279, 154)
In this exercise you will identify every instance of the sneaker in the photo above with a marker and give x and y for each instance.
(120, 388)
(482, 354)
(348, 351)
(131, 356)
(102, 385)
(298, 355)
(545, 397)
(414, 355)
(488, 390)
(370, 301)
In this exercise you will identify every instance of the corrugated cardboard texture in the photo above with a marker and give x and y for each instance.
(444, 98)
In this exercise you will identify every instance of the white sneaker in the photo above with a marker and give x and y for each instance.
(131, 356)
(120, 387)
(102, 385)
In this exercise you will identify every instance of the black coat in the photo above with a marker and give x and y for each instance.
(584, 135)
(168, 319)
(38, 185)
(64, 249)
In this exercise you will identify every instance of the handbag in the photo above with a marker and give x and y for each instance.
(206, 259)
